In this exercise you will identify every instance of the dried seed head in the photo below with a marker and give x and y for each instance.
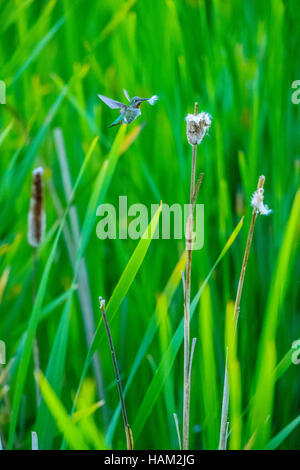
(36, 216)
(197, 126)
(102, 303)
(257, 201)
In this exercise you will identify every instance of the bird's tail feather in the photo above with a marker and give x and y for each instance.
(118, 121)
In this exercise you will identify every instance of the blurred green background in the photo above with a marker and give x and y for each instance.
(238, 60)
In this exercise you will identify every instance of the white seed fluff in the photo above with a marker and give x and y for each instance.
(153, 99)
(257, 201)
(102, 303)
(197, 126)
(38, 171)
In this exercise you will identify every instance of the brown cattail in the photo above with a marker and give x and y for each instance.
(36, 216)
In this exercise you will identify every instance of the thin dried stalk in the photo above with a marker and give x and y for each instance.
(34, 441)
(187, 299)
(128, 433)
(225, 402)
(260, 185)
(177, 430)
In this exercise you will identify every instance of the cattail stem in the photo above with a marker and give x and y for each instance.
(36, 353)
(260, 185)
(128, 433)
(225, 402)
(187, 299)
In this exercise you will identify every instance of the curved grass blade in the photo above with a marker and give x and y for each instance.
(34, 34)
(27, 163)
(98, 194)
(45, 425)
(17, 178)
(121, 290)
(278, 371)
(99, 191)
(115, 21)
(35, 314)
(63, 420)
(6, 131)
(264, 377)
(277, 440)
(92, 124)
(285, 363)
(208, 366)
(38, 49)
(167, 294)
(86, 412)
(278, 286)
(47, 310)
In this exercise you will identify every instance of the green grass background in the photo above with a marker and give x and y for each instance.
(238, 60)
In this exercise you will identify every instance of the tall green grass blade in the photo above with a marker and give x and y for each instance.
(264, 379)
(84, 292)
(99, 191)
(168, 358)
(5, 132)
(121, 289)
(28, 160)
(234, 379)
(115, 21)
(285, 363)
(261, 411)
(63, 420)
(38, 49)
(277, 440)
(208, 380)
(278, 284)
(29, 37)
(168, 294)
(34, 318)
(45, 424)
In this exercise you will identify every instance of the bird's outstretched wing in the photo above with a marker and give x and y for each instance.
(111, 103)
(126, 94)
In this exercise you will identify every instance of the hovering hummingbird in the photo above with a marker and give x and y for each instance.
(130, 112)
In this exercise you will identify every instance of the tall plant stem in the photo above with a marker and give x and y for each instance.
(128, 433)
(187, 299)
(36, 354)
(225, 402)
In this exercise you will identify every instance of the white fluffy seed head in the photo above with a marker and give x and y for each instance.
(38, 171)
(102, 303)
(197, 126)
(257, 201)
(153, 99)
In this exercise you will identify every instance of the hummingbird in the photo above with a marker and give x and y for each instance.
(128, 112)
